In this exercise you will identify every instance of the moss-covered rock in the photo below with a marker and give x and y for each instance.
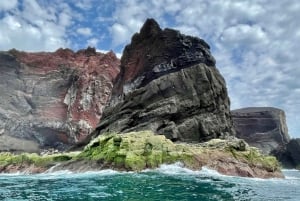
(139, 150)
(136, 151)
(7, 159)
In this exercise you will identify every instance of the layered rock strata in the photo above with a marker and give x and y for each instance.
(168, 83)
(262, 127)
(52, 99)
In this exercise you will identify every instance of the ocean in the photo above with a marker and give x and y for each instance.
(167, 183)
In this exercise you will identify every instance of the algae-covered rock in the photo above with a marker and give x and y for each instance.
(139, 150)
(135, 150)
(31, 162)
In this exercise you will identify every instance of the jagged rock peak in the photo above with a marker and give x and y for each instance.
(154, 52)
(150, 28)
(168, 83)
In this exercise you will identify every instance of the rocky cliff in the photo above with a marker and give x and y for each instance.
(52, 99)
(262, 127)
(293, 152)
(168, 83)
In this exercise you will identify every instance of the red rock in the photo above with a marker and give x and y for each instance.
(55, 98)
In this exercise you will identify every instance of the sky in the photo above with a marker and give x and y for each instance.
(256, 43)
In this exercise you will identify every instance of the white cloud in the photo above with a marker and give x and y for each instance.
(93, 42)
(85, 31)
(8, 4)
(244, 34)
(120, 34)
(35, 27)
(119, 55)
(84, 4)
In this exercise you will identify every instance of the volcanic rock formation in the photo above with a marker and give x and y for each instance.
(52, 99)
(262, 127)
(168, 83)
(293, 151)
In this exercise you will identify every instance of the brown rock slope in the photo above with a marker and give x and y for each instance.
(52, 99)
(169, 84)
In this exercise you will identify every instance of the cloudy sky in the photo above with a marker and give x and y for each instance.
(256, 42)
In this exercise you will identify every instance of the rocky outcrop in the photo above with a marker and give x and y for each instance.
(289, 156)
(137, 151)
(262, 127)
(293, 150)
(168, 83)
(52, 99)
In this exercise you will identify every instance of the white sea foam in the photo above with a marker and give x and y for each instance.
(175, 169)
(290, 170)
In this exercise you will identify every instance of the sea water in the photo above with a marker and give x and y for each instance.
(169, 182)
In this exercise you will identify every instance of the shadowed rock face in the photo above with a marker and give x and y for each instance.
(52, 99)
(293, 151)
(262, 127)
(168, 83)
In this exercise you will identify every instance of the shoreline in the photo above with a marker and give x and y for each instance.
(137, 151)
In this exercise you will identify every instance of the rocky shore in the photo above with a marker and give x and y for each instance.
(137, 151)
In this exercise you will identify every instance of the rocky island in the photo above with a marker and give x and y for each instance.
(168, 103)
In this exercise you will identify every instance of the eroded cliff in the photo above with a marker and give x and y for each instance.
(52, 100)
(262, 127)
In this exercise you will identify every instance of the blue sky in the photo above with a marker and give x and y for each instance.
(255, 42)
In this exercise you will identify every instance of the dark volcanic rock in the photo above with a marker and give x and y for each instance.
(262, 127)
(52, 99)
(293, 149)
(169, 84)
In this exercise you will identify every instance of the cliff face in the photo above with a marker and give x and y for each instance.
(293, 152)
(262, 127)
(168, 83)
(52, 99)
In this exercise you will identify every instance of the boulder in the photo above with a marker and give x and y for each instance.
(262, 127)
(168, 83)
(52, 100)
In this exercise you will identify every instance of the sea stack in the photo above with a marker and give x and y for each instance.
(169, 84)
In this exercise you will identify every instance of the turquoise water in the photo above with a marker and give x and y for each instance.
(170, 182)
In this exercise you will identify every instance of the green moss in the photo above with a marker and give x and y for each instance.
(135, 162)
(133, 151)
(154, 159)
(35, 159)
(119, 161)
(255, 158)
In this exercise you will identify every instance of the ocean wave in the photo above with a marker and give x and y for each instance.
(290, 170)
